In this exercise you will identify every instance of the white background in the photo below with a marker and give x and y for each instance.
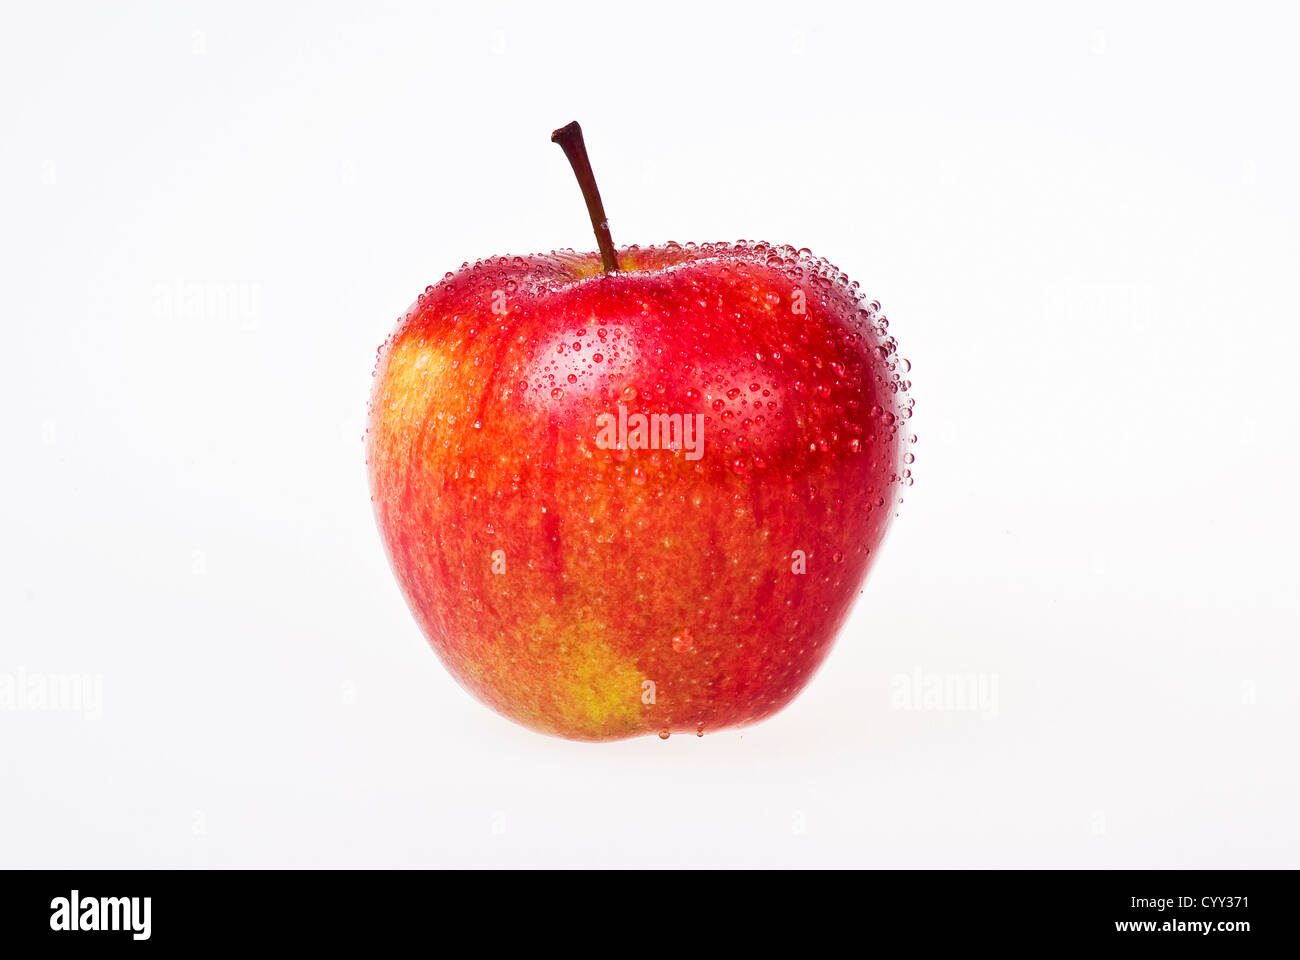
(1081, 222)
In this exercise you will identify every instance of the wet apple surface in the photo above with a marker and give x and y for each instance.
(598, 591)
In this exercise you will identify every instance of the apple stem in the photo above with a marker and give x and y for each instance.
(570, 140)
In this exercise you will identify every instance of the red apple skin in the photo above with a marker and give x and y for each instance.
(595, 593)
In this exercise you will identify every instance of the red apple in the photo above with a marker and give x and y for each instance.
(594, 575)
